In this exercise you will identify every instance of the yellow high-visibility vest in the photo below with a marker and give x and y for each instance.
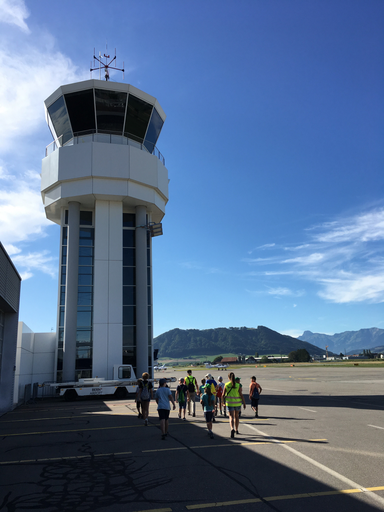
(232, 395)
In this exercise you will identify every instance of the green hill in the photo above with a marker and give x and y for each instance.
(236, 340)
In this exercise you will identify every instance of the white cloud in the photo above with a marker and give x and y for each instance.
(14, 12)
(40, 261)
(22, 214)
(343, 258)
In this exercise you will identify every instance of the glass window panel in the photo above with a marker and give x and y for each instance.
(129, 315)
(129, 257)
(148, 257)
(129, 220)
(129, 357)
(85, 260)
(64, 236)
(86, 270)
(124, 372)
(149, 315)
(129, 295)
(85, 280)
(84, 297)
(153, 132)
(138, 115)
(60, 120)
(110, 110)
(129, 276)
(84, 336)
(149, 276)
(62, 295)
(129, 336)
(86, 236)
(128, 238)
(59, 360)
(149, 295)
(61, 317)
(66, 217)
(84, 361)
(81, 111)
(84, 317)
(86, 218)
(85, 251)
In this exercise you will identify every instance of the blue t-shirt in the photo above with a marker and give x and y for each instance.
(208, 406)
(162, 395)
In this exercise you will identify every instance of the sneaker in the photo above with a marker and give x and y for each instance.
(184, 419)
(257, 415)
(193, 414)
(211, 435)
(179, 416)
(232, 433)
(213, 419)
(146, 423)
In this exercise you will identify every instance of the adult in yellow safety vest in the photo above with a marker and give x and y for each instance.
(233, 397)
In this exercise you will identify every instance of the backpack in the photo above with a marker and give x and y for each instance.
(181, 397)
(191, 384)
(145, 392)
(255, 393)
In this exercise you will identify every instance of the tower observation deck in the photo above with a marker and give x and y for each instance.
(105, 183)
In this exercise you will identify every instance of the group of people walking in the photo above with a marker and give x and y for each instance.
(214, 397)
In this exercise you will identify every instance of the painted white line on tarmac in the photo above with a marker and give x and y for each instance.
(330, 471)
(304, 409)
(374, 426)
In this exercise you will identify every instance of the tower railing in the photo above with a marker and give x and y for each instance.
(99, 136)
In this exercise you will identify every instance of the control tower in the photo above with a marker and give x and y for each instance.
(105, 183)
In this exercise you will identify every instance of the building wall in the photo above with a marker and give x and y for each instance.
(9, 311)
(35, 359)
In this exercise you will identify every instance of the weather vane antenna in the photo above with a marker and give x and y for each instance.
(107, 65)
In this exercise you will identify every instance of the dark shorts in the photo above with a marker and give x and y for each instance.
(163, 414)
(182, 405)
(254, 402)
(208, 416)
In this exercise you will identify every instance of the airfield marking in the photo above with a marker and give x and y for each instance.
(374, 426)
(328, 470)
(304, 409)
(72, 430)
(50, 459)
(284, 497)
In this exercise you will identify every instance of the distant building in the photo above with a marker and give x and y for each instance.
(9, 315)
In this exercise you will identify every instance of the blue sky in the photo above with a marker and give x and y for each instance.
(273, 143)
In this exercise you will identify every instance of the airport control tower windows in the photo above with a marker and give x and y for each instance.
(153, 132)
(138, 115)
(81, 111)
(59, 125)
(110, 111)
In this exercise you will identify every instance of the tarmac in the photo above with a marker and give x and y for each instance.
(318, 444)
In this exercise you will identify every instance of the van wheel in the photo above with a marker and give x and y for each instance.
(70, 395)
(121, 393)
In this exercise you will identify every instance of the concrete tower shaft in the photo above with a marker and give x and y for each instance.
(103, 181)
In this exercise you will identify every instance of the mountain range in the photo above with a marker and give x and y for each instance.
(235, 340)
(348, 342)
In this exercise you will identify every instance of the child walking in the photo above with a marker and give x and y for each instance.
(254, 394)
(208, 403)
(182, 397)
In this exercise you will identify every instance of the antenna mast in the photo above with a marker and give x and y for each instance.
(106, 65)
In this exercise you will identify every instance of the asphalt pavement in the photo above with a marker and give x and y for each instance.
(318, 444)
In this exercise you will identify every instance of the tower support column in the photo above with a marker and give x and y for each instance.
(141, 291)
(70, 320)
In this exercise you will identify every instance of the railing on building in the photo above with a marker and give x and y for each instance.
(107, 138)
